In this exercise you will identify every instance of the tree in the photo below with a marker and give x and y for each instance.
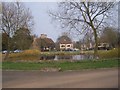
(66, 37)
(88, 40)
(4, 41)
(118, 39)
(110, 35)
(22, 39)
(14, 17)
(1, 41)
(83, 16)
(77, 45)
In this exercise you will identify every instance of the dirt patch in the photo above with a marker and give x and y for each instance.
(51, 69)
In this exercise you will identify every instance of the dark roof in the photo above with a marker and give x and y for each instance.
(65, 41)
(48, 40)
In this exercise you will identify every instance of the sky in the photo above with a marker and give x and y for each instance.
(43, 23)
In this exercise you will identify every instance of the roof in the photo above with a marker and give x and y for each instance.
(65, 41)
(48, 40)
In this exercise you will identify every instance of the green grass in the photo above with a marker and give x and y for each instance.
(64, 65)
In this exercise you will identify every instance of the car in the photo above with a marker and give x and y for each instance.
(17, 51)
(69, 49)
(75, 49)
(4, 52)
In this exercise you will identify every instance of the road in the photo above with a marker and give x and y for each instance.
(99, 78)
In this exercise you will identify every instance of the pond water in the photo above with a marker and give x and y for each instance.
(73, 57)
(68, 57)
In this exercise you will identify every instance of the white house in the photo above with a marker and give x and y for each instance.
(65, 44)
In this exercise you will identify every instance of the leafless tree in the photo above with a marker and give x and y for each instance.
(14, 16)
(83, 16)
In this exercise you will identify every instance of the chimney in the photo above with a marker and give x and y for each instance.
(43, 36)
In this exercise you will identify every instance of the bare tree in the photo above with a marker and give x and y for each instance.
(83, 16)
(14, 16)
(107, 36)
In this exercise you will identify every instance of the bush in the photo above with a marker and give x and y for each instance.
(114, 53)
(25, 55)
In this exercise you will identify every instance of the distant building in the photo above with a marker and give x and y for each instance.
(65, 44)
(89, 46)
(43, 43)
(103, 46)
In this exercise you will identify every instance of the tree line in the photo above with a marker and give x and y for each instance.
(16, 26)
(108, 35)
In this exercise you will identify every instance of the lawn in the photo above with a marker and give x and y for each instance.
(63, 65)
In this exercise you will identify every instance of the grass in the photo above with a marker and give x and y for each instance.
(64, 65)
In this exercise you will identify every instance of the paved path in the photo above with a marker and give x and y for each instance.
(99, 78)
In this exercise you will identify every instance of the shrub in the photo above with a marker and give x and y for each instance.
(114, 53)
(25, 55)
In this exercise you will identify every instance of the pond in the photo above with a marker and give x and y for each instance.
(68, 57)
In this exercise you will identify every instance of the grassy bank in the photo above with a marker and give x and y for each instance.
(36, 54)
(114, 53)
(64, 65)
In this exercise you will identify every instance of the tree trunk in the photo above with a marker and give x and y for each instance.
(96, 43)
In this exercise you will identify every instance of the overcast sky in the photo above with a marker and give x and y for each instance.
(42, 20)
(43, 23)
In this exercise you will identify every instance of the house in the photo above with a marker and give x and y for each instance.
(44, 43)
(89, 46)
(65, 44)
(103, 46)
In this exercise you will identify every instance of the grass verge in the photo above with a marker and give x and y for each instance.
(64, 65)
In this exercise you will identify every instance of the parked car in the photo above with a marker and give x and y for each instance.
(17, 51)
(4, 52)
(75, 49)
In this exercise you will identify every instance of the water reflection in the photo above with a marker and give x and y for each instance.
(67, 57)
(73, 57)
(63, 57)
(43, 57)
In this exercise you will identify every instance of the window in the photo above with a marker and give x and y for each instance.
(68, 45)
(62, 45)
